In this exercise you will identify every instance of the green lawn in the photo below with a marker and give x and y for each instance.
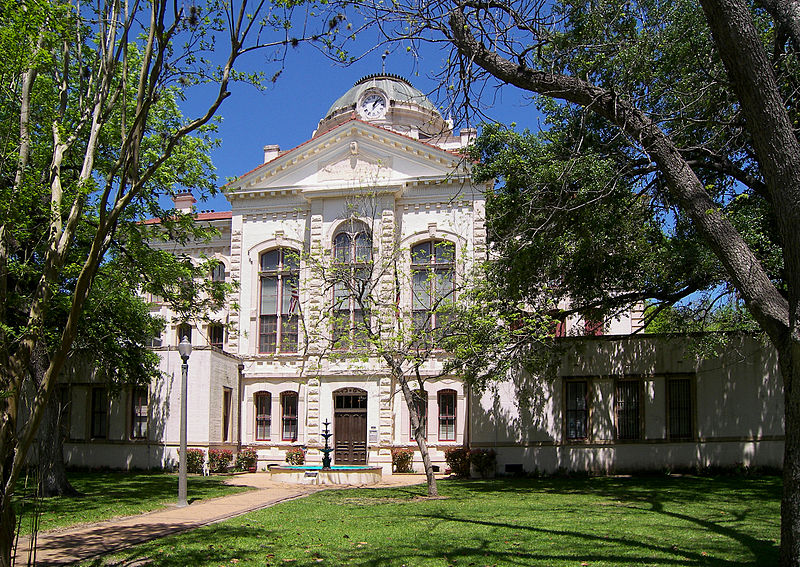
(110, 494)
(544, 522)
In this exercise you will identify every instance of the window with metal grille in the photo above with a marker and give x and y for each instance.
(352, 255)
(279, 309)
(447, 415)
(421, 408)
(432, 286)
(139, 413)
(99, 421)
(679, 408)
(628, 394)
(577, 409)
(289, 416)
(263, 403)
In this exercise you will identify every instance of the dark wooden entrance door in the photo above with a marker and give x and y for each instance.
(350, 427)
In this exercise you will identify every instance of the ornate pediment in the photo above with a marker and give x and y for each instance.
(355, 164)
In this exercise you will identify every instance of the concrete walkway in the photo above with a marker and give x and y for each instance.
(62, 547)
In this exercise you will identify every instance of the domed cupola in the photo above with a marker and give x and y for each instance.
(389, 101)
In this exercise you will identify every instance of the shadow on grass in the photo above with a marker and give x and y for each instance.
(108, 494)
(331, 525)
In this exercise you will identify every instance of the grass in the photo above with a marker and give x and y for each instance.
(110, 494)
(670, 521)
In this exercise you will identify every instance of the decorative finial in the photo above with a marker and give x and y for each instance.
(383, 61)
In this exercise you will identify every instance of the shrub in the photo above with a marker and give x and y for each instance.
(246, 459)
(484, 461)
(458, 460)
(194, 460)
(219, 460)
(296, 456)
(401, 460)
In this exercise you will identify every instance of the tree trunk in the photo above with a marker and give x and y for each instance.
(52, 470)
(408, 395)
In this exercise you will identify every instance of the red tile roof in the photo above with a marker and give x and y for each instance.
(207, 216)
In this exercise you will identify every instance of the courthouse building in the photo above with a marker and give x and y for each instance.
(383, 181)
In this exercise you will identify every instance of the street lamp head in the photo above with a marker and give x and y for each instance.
(185, 349)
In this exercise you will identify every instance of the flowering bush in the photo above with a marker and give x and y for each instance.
(194, 460)
(296, 456)
(219, 459)
(246, 459)
(401, 459)
(458, 460)
(484, 461)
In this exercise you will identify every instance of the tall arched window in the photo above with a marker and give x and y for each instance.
(263, 407)
(432, 274)
(447, 415)
(280, 283)
(352, 255)
(289, 416)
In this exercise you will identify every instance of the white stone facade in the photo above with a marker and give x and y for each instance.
(397, 169)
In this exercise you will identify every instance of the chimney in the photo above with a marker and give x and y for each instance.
(184, 201)
(467, 136)
(271, 151)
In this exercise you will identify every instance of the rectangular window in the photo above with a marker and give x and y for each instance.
(99, 420)
(263, 403)
(628, 394)
(216, 335)
(155, 341)
(226, 412)
(64, 406)
(577, 409)
(289, 416)
(679, 408)
(447, 415)
(139, 413)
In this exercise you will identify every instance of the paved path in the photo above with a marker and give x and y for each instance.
(62, 547)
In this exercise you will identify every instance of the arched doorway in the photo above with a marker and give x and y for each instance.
(350, 426)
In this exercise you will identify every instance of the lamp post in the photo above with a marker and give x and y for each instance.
(184, 349)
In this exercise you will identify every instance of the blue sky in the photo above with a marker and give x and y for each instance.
(288, 111)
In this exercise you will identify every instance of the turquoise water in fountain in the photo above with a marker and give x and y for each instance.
(319, 467)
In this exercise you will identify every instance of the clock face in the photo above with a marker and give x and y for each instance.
(373, 106)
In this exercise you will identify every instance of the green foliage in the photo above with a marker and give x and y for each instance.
(457, 459)
(484, 461)
(296, 456)
(219, 460)
(246, 459)
(402, 459)
(195, 459)
(605, 522)
(491, 334)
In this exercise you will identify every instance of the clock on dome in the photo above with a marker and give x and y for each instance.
(372, 105)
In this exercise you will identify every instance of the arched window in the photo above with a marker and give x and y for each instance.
(352, 267)
(263, 407)
(184, 330)
(421, 407)
(289, 416)
(447, 415)
(280, 283)
(218, 272)
(432, 274)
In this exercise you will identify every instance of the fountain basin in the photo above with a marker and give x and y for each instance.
(352, 475)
